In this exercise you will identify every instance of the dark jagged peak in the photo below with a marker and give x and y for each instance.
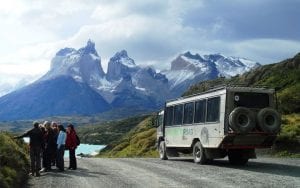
(89, 48)
(65, 51)
(119, 65)
(189, 55)
(158, 76)
(214, 57)
(119, 55)
(122, 57)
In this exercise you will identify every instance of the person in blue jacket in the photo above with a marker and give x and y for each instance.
(61, 141)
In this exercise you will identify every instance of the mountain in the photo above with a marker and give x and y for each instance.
(188, 69)
(120, 65)
(77, 85)
(10, 83)
(84, 65)
(284, 76)
(127, 84)
(58, 96)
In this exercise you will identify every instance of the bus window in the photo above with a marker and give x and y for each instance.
(169, 116)
(200, 109)
(188, 113)
(178, 110)
(160, 120)
(213, 109)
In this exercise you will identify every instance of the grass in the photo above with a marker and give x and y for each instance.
(288, 141)
(14, 161)
(139, 142)
(107, 132)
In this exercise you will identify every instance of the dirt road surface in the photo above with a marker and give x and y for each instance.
(176, 172)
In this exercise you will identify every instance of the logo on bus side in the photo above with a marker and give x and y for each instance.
(187, 132)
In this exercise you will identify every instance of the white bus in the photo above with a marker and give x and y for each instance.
(225, 121)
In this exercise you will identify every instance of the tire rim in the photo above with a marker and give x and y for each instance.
(197, 153)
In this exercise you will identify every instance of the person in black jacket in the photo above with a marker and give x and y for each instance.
(36, 143)
(50, 146)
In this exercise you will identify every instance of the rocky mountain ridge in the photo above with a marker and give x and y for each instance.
(126, 85)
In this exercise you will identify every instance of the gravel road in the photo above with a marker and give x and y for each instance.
(176, 172)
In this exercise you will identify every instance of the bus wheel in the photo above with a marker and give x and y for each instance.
(162, 151)
(198, 154)
(236, 157)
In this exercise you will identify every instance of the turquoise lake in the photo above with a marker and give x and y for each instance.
(82, 148)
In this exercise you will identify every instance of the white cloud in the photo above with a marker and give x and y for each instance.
(267, 50)
(153, 32)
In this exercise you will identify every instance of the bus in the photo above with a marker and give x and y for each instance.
(225, 121)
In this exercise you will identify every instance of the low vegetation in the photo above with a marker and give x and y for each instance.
(108, 132)
(138, 142)
(288, 141)
(14, 162)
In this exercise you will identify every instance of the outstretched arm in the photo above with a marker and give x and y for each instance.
(26, 134)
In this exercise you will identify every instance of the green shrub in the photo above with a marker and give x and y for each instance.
(14, 162)
(138, 142)
(288, 141)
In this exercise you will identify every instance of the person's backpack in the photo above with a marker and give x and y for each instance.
(77, 140)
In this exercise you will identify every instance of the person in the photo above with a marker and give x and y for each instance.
(36, 144)
(55, 131)
(49, 148)
(43, 148)
(61, 140)
(71, 144)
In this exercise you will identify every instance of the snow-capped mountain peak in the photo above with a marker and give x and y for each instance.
(122, 57)
(89, 48)
(120, 65)
(84, 65)
(88, 90)
(188, 67)
(189, 55)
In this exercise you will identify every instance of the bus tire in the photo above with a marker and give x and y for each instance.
(236, 157)
(162, 150)
(242, 120)
(199, 154)
(269, 120)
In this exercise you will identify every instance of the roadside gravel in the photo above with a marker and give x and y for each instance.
(176, 172)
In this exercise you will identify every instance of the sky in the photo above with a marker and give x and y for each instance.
(152, 31)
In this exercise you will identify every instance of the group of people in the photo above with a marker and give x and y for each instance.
(48, 142)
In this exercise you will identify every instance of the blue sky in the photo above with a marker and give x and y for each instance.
(153, 32)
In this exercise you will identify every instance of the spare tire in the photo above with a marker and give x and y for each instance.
(269, 120)
(242, 120)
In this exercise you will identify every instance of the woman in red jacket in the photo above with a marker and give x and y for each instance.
(71, 144)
